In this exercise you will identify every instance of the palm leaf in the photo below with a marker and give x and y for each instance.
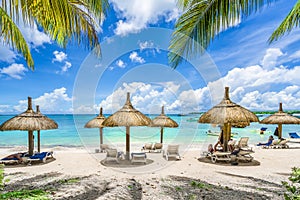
(292, 20)
(12, 36)
(202, 21)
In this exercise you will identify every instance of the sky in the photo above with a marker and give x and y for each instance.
(134, 42)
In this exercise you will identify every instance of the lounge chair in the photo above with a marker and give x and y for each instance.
(43, 156)
(157, 147)
(112, 154)
(220, 156)
(139, 158)
(243, 143)
(172, 152)
(147, 147)
(9, 161)
(294, 135)
(104, 147)
(244, 155)
(279, 144)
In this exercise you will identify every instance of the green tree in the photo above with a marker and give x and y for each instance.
(62, 20)
(202, 20)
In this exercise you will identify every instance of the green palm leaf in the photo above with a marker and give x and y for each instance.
(202, 21)
(292, 20)
(12, 36)
(63, 20)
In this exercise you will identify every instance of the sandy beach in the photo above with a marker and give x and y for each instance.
(159, 180)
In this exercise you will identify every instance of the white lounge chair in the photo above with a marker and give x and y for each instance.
(43, 156)
(112, 154)
(220, 156)
(104, 147)
(138, 158)
(172, 152)
(243, 143)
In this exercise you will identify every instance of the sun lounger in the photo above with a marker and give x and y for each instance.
(294, 135)
(172, 152)
(220, 156)
(150, 147)
(104, 147)
(43, 156)
(244, 155)
(138, 158)
(243, 143)
(9, 161)
(112, 154)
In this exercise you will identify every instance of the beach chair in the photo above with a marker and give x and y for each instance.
(220, 156)
(104, 147)
(244, 155)
(280, 144)
(157, 147)
(294, 135)
(9, 161)
(243, 143)
(112, 155)
(139, 158)
(43, 156)
(147, 147)
(172, 152)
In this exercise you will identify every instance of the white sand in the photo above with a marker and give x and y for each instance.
(275, 167)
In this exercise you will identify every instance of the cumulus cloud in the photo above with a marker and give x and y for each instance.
(16, 71)
(120, 63)
(59, 56)
(56, 101)
(137, 15)
(134, 57)
(33, 36)
(67, 66)
(270, 59)
(7, 55)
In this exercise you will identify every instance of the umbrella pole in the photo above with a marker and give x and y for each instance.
(161, 134)
(101, 135)
(127, 142)
(279, 130)
(226, 132)
(30, 143)
(39, 141)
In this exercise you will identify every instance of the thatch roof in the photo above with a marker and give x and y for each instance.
(96, 122)
(127, 116)
(280, 117)
(29, 121)
(163, 121)
(228, 112)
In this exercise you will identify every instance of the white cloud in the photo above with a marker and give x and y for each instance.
(56, 101)
(66, 67)
(146, 44)
(15, 71)
(33, 36)
(270, 59)
(137, 14)
(135, 58)
(120, 63)
(7, 55)
(59, 56)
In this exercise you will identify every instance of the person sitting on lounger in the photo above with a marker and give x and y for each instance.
(270, 140)
(220, 142)
(13, 156)
(210, 148)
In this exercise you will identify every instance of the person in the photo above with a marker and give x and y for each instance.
(210, 148)
(231, 144)
(261, 132)
(220, 141)
(270, 140)
(16, 155)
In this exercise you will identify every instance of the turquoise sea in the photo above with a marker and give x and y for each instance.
(71, 133)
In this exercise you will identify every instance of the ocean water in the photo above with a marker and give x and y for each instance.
(71, 133)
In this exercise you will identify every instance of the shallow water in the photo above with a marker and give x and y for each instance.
(71, 132)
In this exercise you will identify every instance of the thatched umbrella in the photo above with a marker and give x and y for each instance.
(127, 116)
(280, 118)
(29, 121)
(163, 121)
(228, 113)
(97, 123)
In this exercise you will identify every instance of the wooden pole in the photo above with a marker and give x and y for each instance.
(279, 130)
(30, 143)
(39, 141)
(127, 143)
(161, 134)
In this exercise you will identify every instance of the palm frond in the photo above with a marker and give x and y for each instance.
(292, 20)
(12, 36)
(202, 21)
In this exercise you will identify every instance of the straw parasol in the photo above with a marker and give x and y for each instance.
(163, 121)
(280, 118)
(29, 121)
(127, 116)
(97, 123)
(228, 113)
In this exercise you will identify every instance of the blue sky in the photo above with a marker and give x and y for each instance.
(135, 36)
